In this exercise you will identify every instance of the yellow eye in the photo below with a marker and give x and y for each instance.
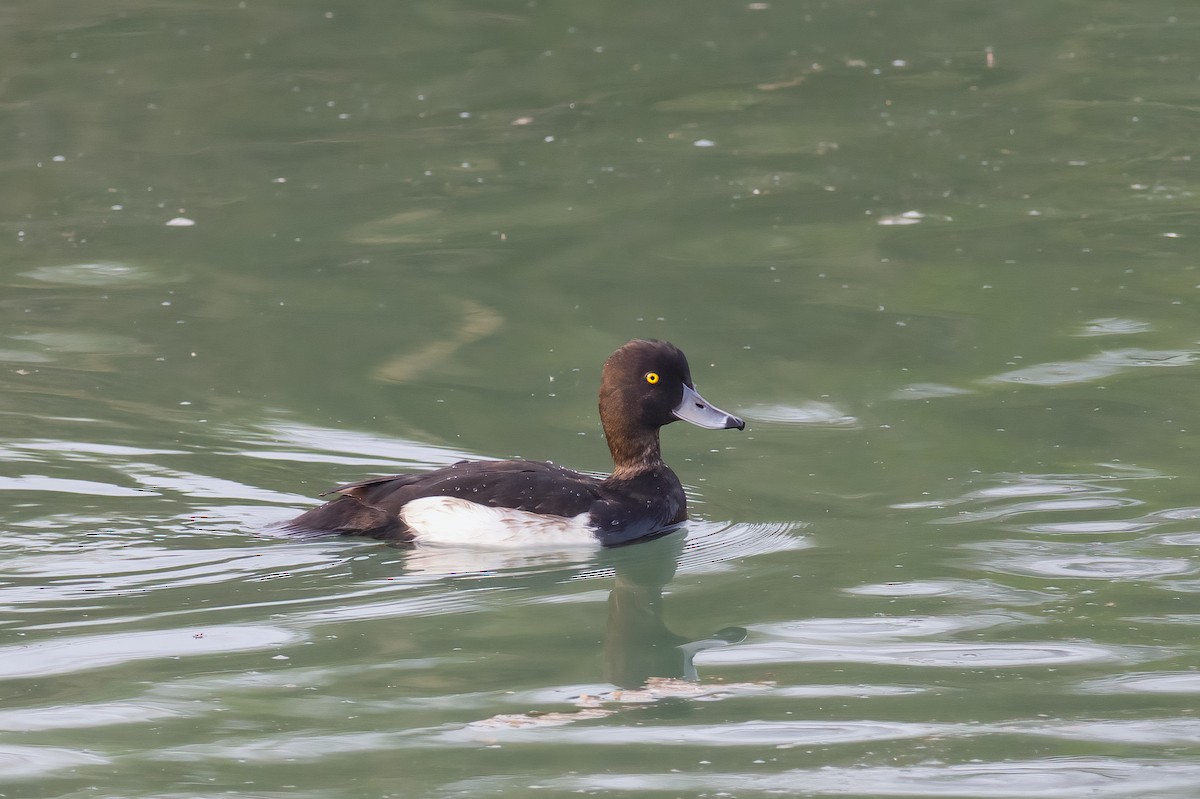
(651, 377)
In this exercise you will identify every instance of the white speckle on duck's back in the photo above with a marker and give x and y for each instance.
(456, 521)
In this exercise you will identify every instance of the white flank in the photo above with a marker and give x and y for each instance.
(452, 520)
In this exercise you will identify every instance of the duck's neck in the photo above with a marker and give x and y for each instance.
(635, 454)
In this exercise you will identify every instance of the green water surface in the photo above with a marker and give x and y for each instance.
(940, 255)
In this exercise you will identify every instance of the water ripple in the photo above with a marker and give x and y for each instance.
(709, 545)
(85, 653)
(985, 591)
(66, 485)
(1028, 494)
(115, 568)
(189, 484)
(1141, 732)
(102, 273)
(1113, 326)
(440, 604)
(1095, 367)
(1051, 778)
(1098, 527)
(810, 414)
(779, 734)
(305, 748)
(312, 444)
(82, 716)
(919, 391)
(554, 728)
(883, 628)
(17, 762)
(935, 654)
(1179, 513)
(1158, 682)
(1078, 561)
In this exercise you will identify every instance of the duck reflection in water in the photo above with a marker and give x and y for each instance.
(638, 645)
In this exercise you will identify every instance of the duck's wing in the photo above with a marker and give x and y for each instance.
(372, 507)
(531, 486)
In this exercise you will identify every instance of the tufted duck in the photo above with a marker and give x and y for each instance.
(645, 385)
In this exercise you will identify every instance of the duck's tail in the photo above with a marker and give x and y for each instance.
(348, 516)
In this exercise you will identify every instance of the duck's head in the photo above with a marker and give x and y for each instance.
(647, 384)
